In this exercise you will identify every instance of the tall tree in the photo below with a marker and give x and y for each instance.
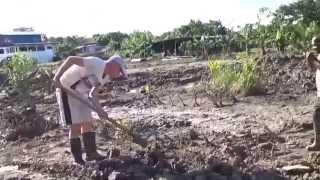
(303, 11)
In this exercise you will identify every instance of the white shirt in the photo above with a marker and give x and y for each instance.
(318, 80)
(93, 66)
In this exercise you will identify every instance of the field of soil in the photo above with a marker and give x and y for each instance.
(259, 137)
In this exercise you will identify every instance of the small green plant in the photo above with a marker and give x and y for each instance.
(224, 75)
(233, 77)
(19, 70)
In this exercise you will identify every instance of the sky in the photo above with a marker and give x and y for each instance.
(88, 17)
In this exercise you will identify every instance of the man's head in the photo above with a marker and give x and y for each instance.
(316, 43)
(115, 68)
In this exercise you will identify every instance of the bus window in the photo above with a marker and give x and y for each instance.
(41, 48)
(12, 50)
(32, 48)
(1, 51)
(23, 49)
(49, 47)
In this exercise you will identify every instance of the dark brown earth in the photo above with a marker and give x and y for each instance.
(254, 138)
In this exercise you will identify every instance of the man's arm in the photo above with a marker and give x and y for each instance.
(65, 66)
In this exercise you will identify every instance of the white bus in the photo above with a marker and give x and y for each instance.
(31, 44)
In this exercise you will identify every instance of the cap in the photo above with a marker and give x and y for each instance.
(119, 60)
(315, 41)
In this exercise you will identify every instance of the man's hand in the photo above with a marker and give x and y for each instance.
(308, 55)
(95, 102)
(312, 62)
(103, 115)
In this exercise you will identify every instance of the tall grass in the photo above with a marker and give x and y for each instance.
(242, 76)
(224, 76)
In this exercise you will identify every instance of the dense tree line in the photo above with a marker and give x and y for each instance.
(292, 27)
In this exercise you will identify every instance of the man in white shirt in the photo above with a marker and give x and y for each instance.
(78, 81)
(313, 62)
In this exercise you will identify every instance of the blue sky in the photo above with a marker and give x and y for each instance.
(87, 17)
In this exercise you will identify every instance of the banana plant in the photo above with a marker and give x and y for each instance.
(302, 35)
(263, 31)
(138, 44)
(246, 33)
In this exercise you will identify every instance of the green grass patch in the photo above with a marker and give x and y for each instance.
(241, 76)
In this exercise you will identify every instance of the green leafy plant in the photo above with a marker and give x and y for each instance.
(250, 81)
(233, 77)
(20, 69)
(138, 44)
(224, 75)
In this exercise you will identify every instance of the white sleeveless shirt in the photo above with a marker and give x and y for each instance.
(93, 66)
(318, 80)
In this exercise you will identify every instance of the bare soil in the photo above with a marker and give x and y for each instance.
(250, 139)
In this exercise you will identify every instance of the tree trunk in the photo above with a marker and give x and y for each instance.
(247, 50)
(282, 47)
(263, 50)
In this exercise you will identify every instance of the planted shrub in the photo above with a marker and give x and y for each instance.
(234, 77)
(20, 69)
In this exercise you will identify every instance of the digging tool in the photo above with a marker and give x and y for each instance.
(135, 137)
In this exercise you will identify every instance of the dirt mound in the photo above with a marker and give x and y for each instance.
(286, 74)
(162, 77)
(144, 165)
(21, 119)
(29, 112)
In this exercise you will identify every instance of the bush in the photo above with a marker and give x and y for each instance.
(234, 77)
(20, 69)
(224, 75)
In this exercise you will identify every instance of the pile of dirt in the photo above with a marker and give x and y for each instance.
(144, 165)
(287, 75)
(163, 77)
(20, 118)
(27, 112)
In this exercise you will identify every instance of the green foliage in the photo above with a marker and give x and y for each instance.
(301, 11)
(292, 25)
(19, 70)
(139, 44)
(232, 77)
(246, 36)
(224, 76)
(207, 37)
(263, 32)
(250, 80)
(67, 44)
(113, 39)
(302, 35)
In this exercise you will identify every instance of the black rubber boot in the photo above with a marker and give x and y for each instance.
(89, 141)
(316, 128)
(76, 150)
